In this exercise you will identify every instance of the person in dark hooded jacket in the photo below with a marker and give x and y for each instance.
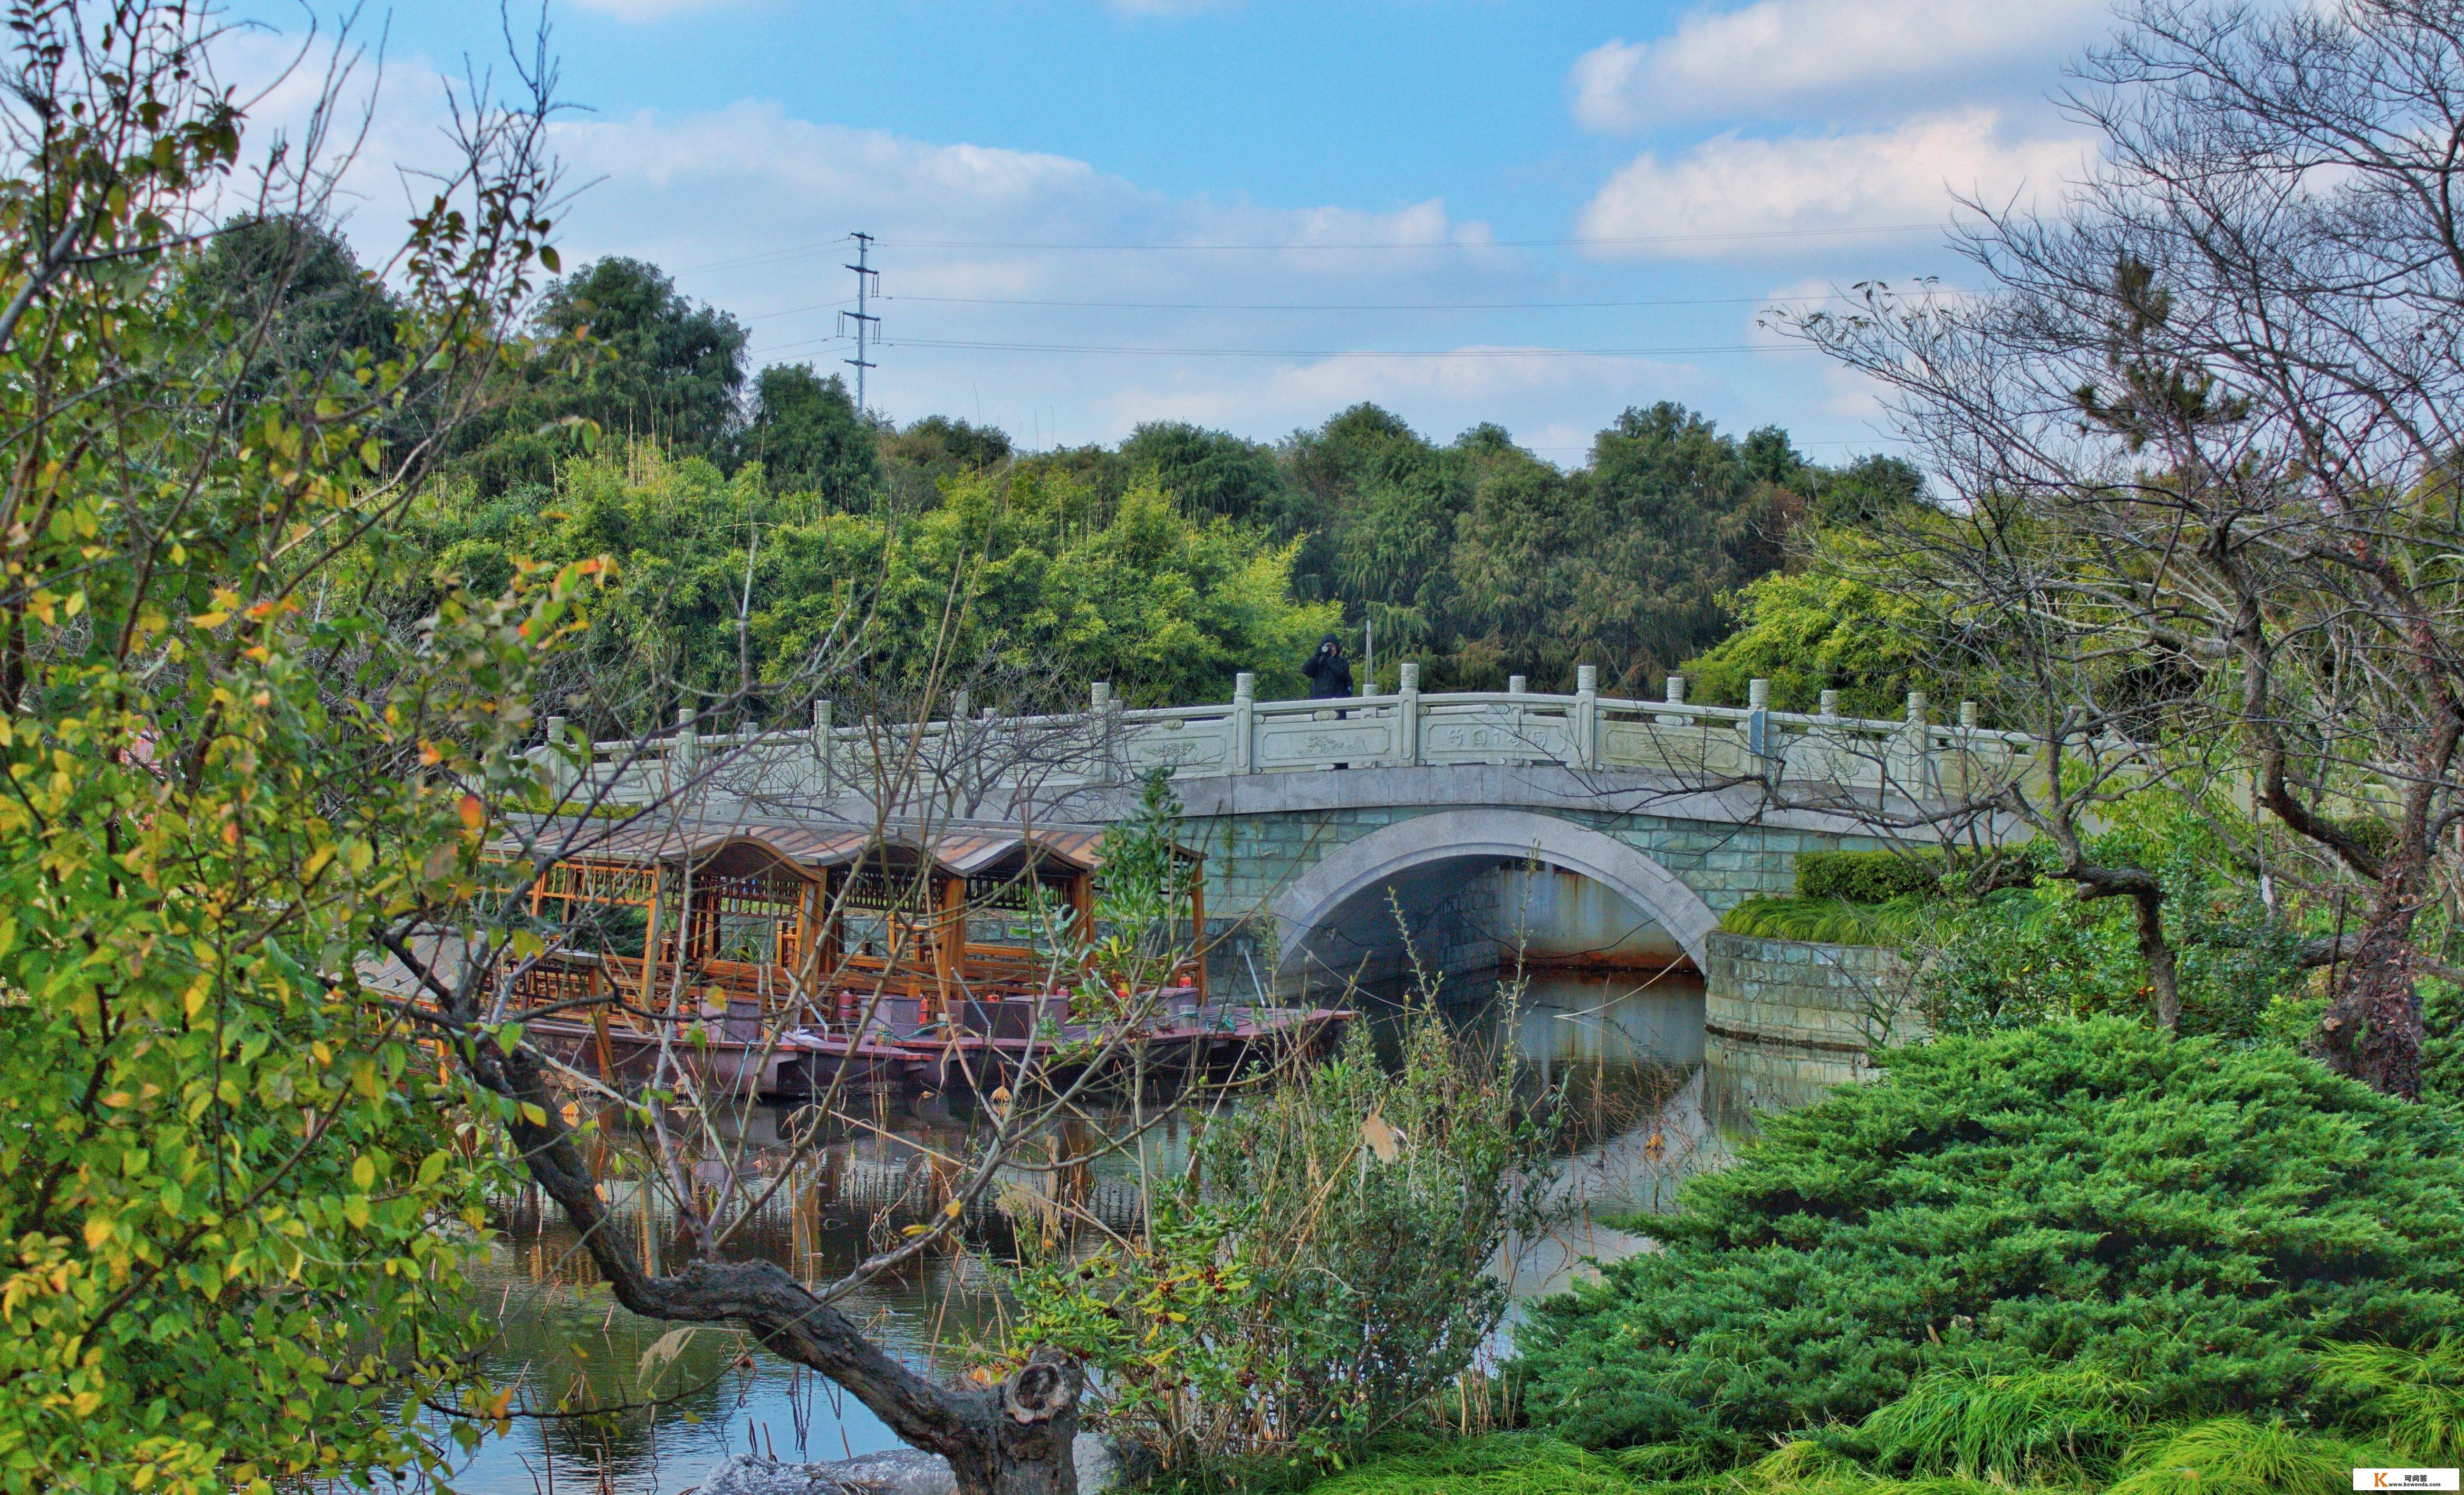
(1329, 673)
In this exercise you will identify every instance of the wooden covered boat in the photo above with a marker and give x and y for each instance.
(780, 960)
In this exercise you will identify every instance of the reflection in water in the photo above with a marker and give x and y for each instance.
(1625, 1047)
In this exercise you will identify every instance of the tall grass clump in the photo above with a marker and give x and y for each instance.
(1320, 1274)
(2236, 1456)
(1835, 921)
(2007, 1428)
(2412, 1399)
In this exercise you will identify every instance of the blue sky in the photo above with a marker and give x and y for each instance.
(1251, 213)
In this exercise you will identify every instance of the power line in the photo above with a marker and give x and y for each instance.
(1064, 347)
(1363, 306)
(763, 257)
(1436, 244)
(816, 306)
(770, 256)
(789, 347)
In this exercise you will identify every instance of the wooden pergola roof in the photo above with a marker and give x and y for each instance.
(959, 848)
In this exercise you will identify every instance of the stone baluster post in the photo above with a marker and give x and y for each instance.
(1100, 704)
(560, 763)
(687, 751)
(825, 744)
(1407, 714)
(959, 751)
(1675, 697)
(1964, 763)
(1587, 716)
(1919, 772)
(1834, 765)
(1245, 722)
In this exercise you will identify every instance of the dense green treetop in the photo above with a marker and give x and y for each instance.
(808, 437)
(1055, 588)
(651, 363)
(302, 295)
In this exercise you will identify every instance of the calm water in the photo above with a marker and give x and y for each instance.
(1626, 1049)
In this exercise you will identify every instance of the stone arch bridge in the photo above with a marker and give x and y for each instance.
(1346, 837)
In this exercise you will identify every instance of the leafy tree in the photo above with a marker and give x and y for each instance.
(2186, 1215)
(651, 365)
(808, 437)
(233, 1211)
(731, 587)
(1676, 519)
(1515, 560)
(302, 295)
(1214, 474)
(1364, 479)
(1812, 630)
(917, 461)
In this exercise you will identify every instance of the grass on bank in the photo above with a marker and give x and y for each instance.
(2221, 1455)
(1835, 921)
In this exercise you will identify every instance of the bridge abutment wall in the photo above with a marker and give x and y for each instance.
(1786, 1019)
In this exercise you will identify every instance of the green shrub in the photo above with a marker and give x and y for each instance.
(2184, 1214)
(1833, 921)
(2442, 1044)
(1863, 876)
(2022, 957)
(1318, 1274)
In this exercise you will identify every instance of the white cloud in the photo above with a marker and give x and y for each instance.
(1736, 61)
(747, 205)
(1904, 175)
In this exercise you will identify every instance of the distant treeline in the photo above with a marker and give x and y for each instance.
(1475, 557)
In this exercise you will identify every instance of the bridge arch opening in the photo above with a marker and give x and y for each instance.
(1471, 885)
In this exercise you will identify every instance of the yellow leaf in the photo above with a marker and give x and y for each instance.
(474, 814)
(363, 1171)
(1380, 1137)
(210, 620)
(98, 1230)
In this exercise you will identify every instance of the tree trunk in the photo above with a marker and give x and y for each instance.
(2162, 974)
(2372, 1030)
(1033, 1442)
